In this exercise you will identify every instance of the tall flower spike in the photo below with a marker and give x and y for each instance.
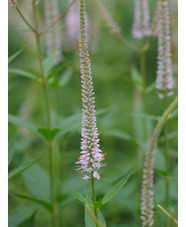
(53, 38)
(73, 24)
(141, 26)
(91, 156)
(164, 79)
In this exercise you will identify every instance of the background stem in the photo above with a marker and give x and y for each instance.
(166, 157)
(51, 168)
(143, 75)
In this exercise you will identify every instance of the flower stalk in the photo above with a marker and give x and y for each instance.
(148, 172)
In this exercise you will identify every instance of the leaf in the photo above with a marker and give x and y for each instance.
(97, 204)
(48, 62)
(13, 56)
(120, 134)
(170, 136)
(49, 134)
(11, 148)
(146, 116)
(136, 77)
(21, 72)
(38, 182)
(18, 216)
(29, 222)
(43, 203)
(24, 123)
(22, 167)
(115, 189)
(90, 218)
(161, 172)
(150, 88)
(59, 69)
(75, 194)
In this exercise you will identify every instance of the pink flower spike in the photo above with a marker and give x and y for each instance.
(164, 79)
(91, 157)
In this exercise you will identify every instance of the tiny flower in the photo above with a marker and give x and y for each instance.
(53, 38)
(164, 79)
(91, 157)
(141, 26)
(13, 3)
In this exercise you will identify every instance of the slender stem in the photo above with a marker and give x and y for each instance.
(129, 44)
(166, 158)
(58, 19)
(23, 17)
(143, 75)
(51, 167)
(94, 195)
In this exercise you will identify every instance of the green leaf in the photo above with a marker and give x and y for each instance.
(21, 72)
(145, 116)
(24, 123)
(22, 167)
(120, 134)
(13, 56)
(20, 215)
(170, 136)
(75, 194)
(43, 203)
(48, 62)
(115, 189)
(136, 77)
(11, 148)
(38, 182)
(90, 218)
(97, 204)
(59, 69)
(161, 172)
(150, 88)
(49, 134)
(29, 222)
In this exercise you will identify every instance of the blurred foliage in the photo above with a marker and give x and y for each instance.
(119, 121)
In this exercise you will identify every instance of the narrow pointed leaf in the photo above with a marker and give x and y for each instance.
(90, 218)
(24, 123)
(48, 62)
(11, 148)
(59, 69)
(75, 194)
(23, 73)
(13, 56)
(114, 190)
(43, 203)
(22, 167)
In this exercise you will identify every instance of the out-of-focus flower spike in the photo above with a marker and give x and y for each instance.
(91, 155)
(111, 24)
(164, 79)
(53, 38)
(141, 27)
(155, 22)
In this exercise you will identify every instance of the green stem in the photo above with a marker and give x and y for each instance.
(143, 75)
(166, 158)
(51, 167)
(94, 195)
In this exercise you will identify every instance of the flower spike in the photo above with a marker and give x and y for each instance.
(91, 157)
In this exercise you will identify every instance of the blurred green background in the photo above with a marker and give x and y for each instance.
(114, 67)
